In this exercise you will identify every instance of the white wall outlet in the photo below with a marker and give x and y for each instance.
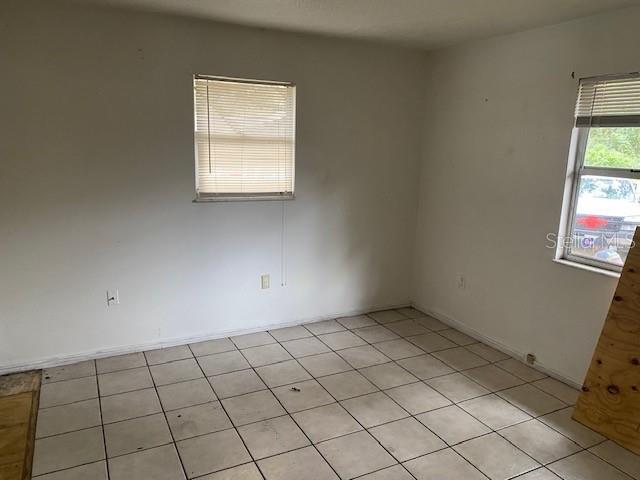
(461, 281)
(265, 281)
(113, 297)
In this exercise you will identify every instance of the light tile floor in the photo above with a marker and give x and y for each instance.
(393, 395)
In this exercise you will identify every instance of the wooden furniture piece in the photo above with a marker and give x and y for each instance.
(610, 399)
(19, 397)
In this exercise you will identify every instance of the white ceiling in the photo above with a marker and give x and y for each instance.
(420, 23)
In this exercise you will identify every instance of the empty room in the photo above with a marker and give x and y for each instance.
(319, 239)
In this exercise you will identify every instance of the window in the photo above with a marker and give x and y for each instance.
(603, 208)
(244, 139)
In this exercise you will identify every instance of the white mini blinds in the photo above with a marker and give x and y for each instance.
(244, 138)
(609, 101)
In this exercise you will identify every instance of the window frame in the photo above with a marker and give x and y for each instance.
(209, 197)
(576, 170)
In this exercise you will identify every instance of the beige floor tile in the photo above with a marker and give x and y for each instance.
(489, 354)
(375, 333)
(160, 463)
(386, 316)
(252, 407)
(283, 373)
(532, 400)
(304, 347)
(567, 394)
(124, 406)
(236, 383)
(458, 337)
(302, 395)
(92, 471)
(425, 366)
(136, 434)
(290, 333)
(220, 363)
(174, 372)
(494, 412)
(326, 326)
(272, 437)
(67, 418)
(211, 347)
(68, 391)
(623, 459)
(253, 340)
(347, 385)
(453, 424)
(563, 423)
(121, 362)
(586, 466)
(328, 421)
(539, 474)
(169, 354)
(496, 457)
(373, 409)
(521, 370)
(431, 342)
(456, 387)
(248, 471)
(406, 439)
(443, 465)
(68, 372)
(493, 378)
(197, 420)
(397, 472)
(124, 381)
(355, 454)
(407, 328)
(324, 364)
(431, 323)
(460, 358)
(213, 452)
(540, 442)
(305, 463)
(410, 312)
(417, 398)
(341, 340)
(266, 355)
(357, 321)
(398, 349)
(185, 394)
(388, 375)
(361, 357)
(68, 450)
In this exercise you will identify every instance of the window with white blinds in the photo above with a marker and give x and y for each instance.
(244, 139)
(609, 101)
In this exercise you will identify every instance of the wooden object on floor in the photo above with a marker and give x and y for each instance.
(610, 399)
(19, 397)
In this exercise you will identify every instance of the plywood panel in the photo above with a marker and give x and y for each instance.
(610, 399)
(19, 396)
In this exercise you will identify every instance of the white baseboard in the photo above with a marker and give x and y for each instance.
(57, 361)
(458, 325)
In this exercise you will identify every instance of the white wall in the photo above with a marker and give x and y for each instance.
(96, 182)
(496, 139)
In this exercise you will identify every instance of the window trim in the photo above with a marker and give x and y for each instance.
(576, 169)
(208, 197)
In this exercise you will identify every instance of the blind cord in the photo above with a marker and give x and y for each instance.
(283, 268)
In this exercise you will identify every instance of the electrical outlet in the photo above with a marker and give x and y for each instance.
(462, 281)
(113, 297)
(265, 281)
(531, 358)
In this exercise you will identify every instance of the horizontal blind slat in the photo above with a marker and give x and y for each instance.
(609, 102)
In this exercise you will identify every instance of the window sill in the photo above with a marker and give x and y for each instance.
(250, 198)
(588, 268)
